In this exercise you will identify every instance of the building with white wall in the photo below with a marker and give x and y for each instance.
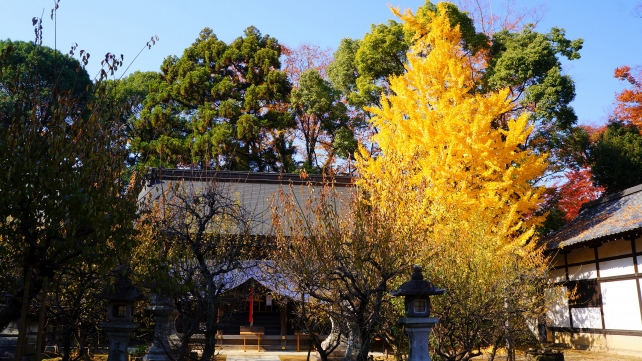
(596, 301)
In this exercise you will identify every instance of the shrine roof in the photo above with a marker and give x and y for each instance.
(263, 272)
(156, 175)
(256, 192)
(609, 217)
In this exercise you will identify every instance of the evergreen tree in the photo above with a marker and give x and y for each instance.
(219, 105)
(62, 152)
(615, 157)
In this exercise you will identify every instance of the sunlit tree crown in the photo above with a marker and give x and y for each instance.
(442, 137)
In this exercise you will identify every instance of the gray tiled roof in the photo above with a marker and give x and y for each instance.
(608, 216)
(256, 192)
(262, 271)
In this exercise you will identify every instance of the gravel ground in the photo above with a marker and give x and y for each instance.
(579, 355)
(569, 355)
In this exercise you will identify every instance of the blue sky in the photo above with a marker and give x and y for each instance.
(612, 35)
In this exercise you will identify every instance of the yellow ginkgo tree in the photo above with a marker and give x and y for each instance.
(454, 159)
(445, 137)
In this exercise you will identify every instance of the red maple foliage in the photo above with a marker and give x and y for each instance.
(577, 190)
(594, 131)
(629, 101)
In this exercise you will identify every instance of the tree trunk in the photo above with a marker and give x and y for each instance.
(510, 340)
(183, 349)
(510, 348)
(210, 340)
(493, 352)
(331, 343)
(354, 349)
(210, 321)
(333, 339)
(66, 344)
(83, 349)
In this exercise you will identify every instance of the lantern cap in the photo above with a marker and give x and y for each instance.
(123, 288)
(417, 286)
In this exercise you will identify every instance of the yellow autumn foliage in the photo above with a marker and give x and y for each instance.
(441, 144)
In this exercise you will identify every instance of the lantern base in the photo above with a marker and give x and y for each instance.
(418, 330)
(165, 338)
(118, 334)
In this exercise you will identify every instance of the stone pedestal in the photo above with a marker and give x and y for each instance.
(544, 355)
(418, 330)
(165, 337)
(9, 341)
(118, 334)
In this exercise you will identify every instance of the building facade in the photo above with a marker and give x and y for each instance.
(267, 298)
(596, 298)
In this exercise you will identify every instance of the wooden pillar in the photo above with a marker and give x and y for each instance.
(597, 271)
(284, 324)
(636, 269)
(284, 319)
(568, 306)
(219, 332)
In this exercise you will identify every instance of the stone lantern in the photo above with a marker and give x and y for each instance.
(165, 337)
(418, 323)
(120, 313)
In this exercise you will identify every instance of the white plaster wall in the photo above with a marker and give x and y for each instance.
(589, 317)
(625, 345)
(557, 302)
(583, 272)
(620, 344)
(617, 267)
(614, 248)
(621, 306)
(557, 275)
